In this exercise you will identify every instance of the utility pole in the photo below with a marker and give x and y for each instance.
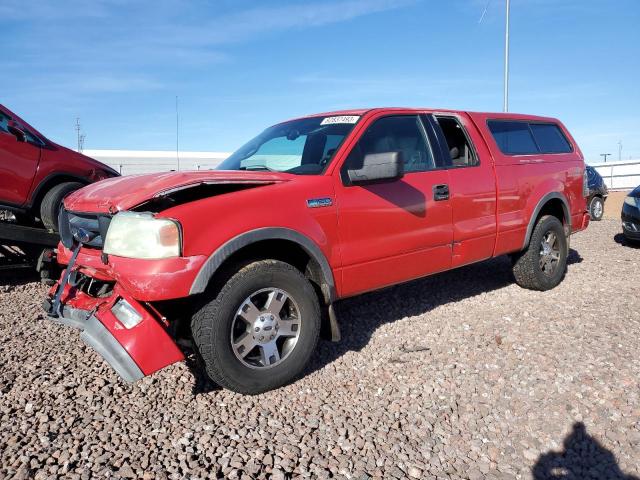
(506, 59)
(177, 135)
(81, 136)
(505, 105)
(605, 155)
(620, 150)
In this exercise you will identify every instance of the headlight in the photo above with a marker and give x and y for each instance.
(633, 201)
(141, 235)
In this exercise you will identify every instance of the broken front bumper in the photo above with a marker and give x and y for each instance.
(134, 351)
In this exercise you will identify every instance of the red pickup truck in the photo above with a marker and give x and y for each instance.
(247, 261)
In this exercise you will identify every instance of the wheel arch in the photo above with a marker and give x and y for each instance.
(553, 203)
(246, 242)
(49, 182)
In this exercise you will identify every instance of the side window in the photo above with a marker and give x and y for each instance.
(404, 134)
(550, 138)
(513, 138)
(331, 145)
(4, 127)
(30, 138)
(4, 123)
(460, 150)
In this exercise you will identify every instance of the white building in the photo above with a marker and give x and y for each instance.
(129, 162)
(619, 175)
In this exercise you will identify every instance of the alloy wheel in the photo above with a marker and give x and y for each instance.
(266, 328)
(549, 253)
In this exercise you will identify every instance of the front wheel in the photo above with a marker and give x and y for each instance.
(260, 330)
(543, 264)
(596, 209)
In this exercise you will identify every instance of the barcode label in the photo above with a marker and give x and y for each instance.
(342, 119)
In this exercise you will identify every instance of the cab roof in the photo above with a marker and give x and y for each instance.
(493, 115)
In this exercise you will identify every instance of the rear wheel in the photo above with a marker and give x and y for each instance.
(543, 264)
(52, 202)
(596, 208)
(260, 330)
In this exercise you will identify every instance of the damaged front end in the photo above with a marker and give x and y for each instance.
(130, 335)
(125, 262)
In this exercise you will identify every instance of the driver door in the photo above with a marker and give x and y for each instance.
(394, 231)
(18, 165)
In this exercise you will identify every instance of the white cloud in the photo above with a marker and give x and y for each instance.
(139, 44)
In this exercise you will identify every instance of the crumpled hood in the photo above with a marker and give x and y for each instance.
(124, 193)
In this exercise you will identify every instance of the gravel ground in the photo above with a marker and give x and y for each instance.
(463, 375)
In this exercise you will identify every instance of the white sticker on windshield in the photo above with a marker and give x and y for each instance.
(341, 119)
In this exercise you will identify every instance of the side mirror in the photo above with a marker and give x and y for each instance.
(378, 167)
(17, 132)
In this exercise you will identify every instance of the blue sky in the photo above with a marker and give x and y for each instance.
(238, 66)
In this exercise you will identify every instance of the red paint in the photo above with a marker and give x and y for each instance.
(122, 193)
(372, 236)
(148, 344)
(146, 280)
(26, 168)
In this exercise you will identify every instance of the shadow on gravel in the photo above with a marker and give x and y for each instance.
(583, 457)
(15, 276)
(16, 267)
(360, 316)
(622, 240)
(201, 381)
(574, 257)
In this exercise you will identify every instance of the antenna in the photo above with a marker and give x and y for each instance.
(177, 135)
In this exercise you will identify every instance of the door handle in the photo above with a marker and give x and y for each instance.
(441, 192)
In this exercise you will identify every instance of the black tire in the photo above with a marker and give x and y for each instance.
(52, 202)
(634, 242)
(527, 269)
(596, 209)
(211, 328)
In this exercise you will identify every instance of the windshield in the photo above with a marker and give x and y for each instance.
(303, 147)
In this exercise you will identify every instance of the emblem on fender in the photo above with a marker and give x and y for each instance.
(319, 202)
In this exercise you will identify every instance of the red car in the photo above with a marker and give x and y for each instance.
(36, 174)
(245, 260)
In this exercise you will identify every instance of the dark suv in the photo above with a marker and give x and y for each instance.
(598, 193)
(36, 174)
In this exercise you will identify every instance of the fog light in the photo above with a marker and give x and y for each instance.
(127, 315)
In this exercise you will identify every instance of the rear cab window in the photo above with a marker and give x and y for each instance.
(550, 138)
(528, 138)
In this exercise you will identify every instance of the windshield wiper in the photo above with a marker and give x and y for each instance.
(257, 167)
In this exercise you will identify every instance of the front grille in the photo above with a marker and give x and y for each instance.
(95, 223)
